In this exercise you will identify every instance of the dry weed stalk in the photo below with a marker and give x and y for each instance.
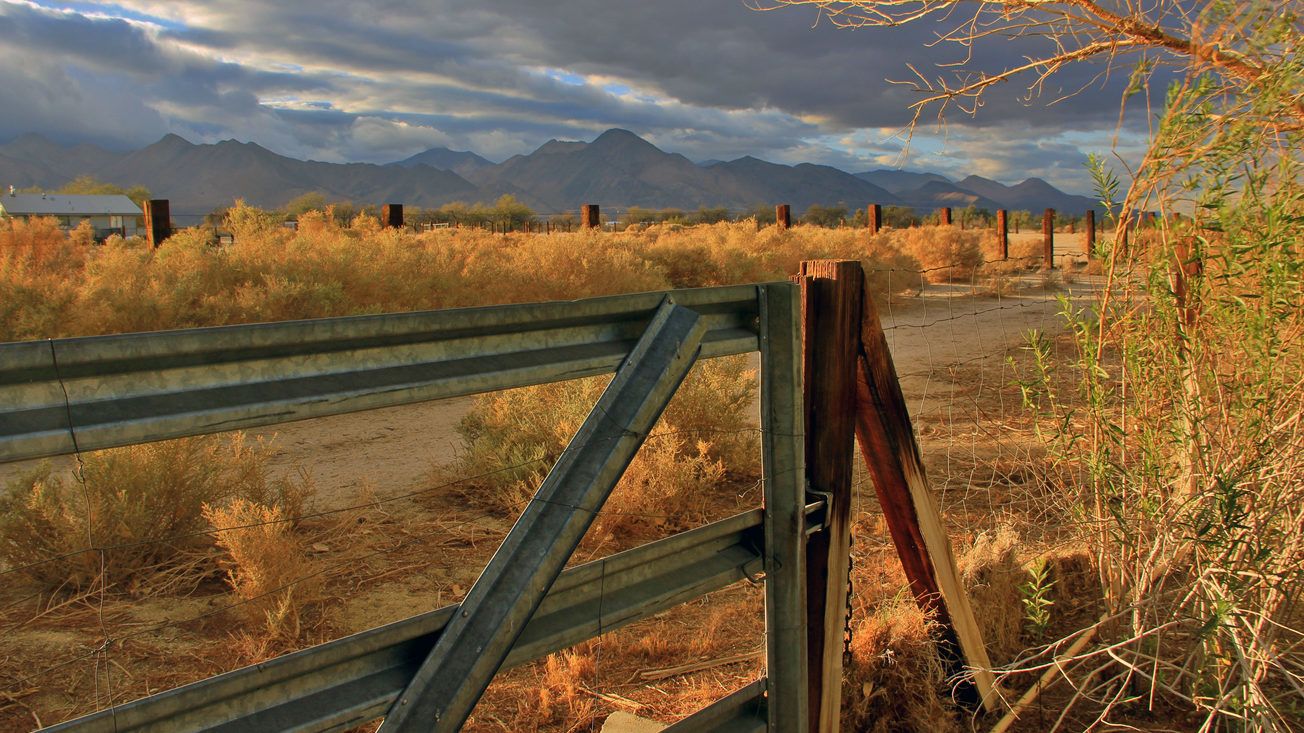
(267, 569)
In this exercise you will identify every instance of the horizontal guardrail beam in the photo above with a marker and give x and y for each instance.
(743, 711)
(132, 388)
(352, 680)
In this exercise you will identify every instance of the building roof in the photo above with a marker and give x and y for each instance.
(60, 204)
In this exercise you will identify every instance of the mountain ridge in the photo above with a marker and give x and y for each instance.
(617, 169)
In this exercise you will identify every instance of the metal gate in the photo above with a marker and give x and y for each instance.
(62, 396)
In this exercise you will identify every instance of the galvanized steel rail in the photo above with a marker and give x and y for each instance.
(64, 395)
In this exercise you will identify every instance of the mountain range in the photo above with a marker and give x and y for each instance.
(617, 170)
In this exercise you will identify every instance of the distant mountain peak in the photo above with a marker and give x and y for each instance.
(174, 139)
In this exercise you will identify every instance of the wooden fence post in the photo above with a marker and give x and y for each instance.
(887, 442)
(1091, 232)
(875, 216)
(1048, 237)
(391, 216)
(944, 216)
(1003, 234)
(158, 221)
(590, 216)
(783, 216)
(831, 310)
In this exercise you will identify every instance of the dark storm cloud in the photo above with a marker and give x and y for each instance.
(341, 80)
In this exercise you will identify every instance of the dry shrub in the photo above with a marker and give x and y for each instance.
(144, 502)
(950, 254)
(668, 486)
(37, 293)
(992, 573)
(1026, 249)
(895, 682)
(55, 285)
(560, 696)
(267, 569)
(705, 433)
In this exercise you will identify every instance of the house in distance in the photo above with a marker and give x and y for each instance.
(108, 214)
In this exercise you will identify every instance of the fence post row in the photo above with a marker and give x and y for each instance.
(158, 221)
(831, 312)
(1048, 237)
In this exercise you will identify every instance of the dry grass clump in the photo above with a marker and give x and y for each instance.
(560, 696)
(992, 574)
(705, 434)
(949, 254)
(144, 503)
(268, 570)
(895, 682)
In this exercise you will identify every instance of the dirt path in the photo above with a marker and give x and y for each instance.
(393, 450)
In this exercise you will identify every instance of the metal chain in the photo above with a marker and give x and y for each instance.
(846, 629)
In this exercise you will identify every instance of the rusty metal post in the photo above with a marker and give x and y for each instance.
(391, 216)
(1048, 238)
(590, 216)
(831, 311)
(875, 212)
(1003, 234)
(944, 216)
(158, 222)
(783, 216)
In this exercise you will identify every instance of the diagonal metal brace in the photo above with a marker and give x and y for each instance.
(475, 643)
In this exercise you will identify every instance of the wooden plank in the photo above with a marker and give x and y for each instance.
(590, 216)
(1091, 232)
(944, 216)
(831, 312)
(887, 442)
(875, 214)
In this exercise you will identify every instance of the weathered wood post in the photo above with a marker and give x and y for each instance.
(783, 216)
(1003, 234)
(590, 216)
(1048, 238)
(391, 216)
(1090, 226)
(887, 443)
(158, 221)
(875, 218)
(944, 216)
(831, 310)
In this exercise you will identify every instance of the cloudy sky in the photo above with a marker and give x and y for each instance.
(341, 80)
